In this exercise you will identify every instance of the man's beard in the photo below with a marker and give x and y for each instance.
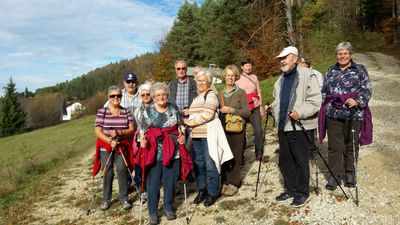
(285, 68)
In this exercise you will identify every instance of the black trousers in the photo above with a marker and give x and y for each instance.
(293, 162)
(340, 145)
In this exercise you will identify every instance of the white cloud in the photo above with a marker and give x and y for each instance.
(51, 41)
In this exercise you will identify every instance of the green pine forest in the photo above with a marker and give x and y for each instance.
(224, 32)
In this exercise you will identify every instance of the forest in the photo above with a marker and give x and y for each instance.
(224, 32)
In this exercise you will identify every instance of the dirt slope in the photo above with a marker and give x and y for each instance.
(379, 179)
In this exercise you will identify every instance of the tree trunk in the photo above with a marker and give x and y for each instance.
(289, 23)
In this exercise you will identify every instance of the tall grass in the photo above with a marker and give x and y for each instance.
(25, 156)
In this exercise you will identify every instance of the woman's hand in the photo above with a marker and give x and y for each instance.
(351, 103)
(113, 133)
(181, 139)
(143, 143)
(226, 109)
(113, 143)
(262, 111)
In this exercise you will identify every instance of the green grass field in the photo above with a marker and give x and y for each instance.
(24, 157)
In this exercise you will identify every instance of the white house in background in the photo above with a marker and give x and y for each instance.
(71, 109)
(215, 72)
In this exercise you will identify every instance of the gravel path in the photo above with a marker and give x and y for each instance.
(378, 172)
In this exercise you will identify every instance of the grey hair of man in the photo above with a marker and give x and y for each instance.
(344, 46)
(158, 86)
(206, 74)
(114, 88)
(234, 69)
(180, 61)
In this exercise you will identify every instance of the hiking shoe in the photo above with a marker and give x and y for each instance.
(170, 215)
(300, 201)
(200, 196)
(332, 184)
(283, 197)
(105, 206)
(126, 205)
(231, 190)
(350, 179)
(153, 220)
(210, 200)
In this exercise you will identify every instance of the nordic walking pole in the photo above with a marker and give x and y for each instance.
(353, 131)
(316, 173)
(127, 167)
(262, 152)
(99, 182)
(320, 155)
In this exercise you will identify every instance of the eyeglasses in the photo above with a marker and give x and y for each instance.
(145, 95)
(116, 96)
(183, 68)
(130, 82)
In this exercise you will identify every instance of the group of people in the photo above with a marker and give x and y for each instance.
(159, 130)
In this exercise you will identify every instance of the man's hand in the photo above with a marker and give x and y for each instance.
(294, 115)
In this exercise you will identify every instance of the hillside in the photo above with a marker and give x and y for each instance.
(69, 191)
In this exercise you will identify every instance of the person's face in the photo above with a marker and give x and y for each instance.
(180, 70)
(230, 78)
(288, 63)
(130, 86)
(145, 96)
(161, 97)
(202, 84)
(343, 57)
(115, 97)
(247, 68)
(196, 71)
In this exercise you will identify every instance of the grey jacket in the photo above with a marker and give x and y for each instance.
(305, 99)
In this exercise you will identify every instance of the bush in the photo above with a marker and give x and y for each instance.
(46, 110)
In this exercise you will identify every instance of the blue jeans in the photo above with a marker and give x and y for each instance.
(204, 167)
(169, 176)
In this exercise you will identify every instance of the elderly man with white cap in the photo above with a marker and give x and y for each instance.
(297, 97)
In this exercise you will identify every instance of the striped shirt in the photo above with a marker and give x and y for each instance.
(106, 120)
(182, 95)
(202, 112)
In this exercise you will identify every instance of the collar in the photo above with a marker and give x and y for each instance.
(235, 88)
(352, 65)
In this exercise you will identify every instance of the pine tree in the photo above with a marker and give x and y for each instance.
(12, 116)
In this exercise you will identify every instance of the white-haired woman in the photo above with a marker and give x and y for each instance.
(160, 121)
(346, 92)
(146, 100)
(113, 128)
(202, 113)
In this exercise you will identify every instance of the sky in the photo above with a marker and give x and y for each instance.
(45, 42)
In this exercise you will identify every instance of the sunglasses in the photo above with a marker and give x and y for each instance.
(145, 95)
(130, 82)
(117, 96)
(183, 68)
